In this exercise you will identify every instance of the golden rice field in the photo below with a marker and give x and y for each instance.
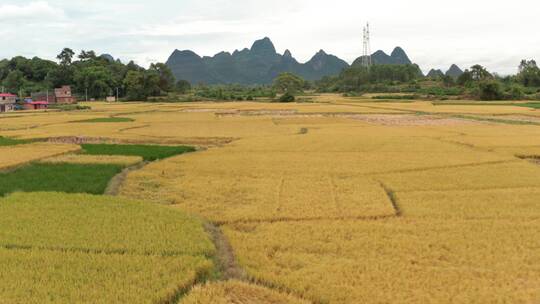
(13, 156)
(338, 200)
(94, 159)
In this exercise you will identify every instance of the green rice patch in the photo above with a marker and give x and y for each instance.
(69, 178)
(534, 105)
(99, 224)
(6, 141)
(147, 152)
(106, 119)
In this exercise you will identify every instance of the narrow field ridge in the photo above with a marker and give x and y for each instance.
(225, 257)
(307, 219)
(116, 182)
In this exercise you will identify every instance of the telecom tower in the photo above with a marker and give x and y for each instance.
(366, 56)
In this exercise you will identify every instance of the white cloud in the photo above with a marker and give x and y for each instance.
(434, 33)
(33, 10)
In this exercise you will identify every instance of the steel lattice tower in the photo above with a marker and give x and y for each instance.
(366, 56)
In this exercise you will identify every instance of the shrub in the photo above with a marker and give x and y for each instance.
(287, 97)
(516, 92)
(490, 90)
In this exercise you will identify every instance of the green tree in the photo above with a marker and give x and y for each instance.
(448, 81)
(288, 83)
(183, 86)
(97, 80)
(166, 78)
(529, 73)
(14, 81)
(87, 55)
(465, 79)
(134, 86)
(479, 73)
(66, 56)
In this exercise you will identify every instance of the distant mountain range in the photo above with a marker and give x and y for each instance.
(454, 71)
(261, 64)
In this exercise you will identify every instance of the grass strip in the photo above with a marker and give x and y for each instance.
(6, 141)
(106, 120)
(147, 152)
(498, 120)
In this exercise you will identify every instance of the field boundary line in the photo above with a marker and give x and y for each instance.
(445, 167)
(176, 296)
(279, 192)
(306, 219)
(470, 189)
(100, 251)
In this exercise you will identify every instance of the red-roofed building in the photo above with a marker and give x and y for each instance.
(7, 102)
(36, 105)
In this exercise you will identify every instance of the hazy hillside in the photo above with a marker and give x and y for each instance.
(260, 64)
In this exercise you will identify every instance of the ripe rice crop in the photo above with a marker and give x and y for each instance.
(12, 156)
(43, 276)
(61, 248)
(237, 292)
(395, 260)
(98, 223)
(313, 202)
(518, 173)
(94, 159)
(502, 204)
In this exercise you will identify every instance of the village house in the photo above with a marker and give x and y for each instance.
(7, 102)
(36, 105)
(61, 95)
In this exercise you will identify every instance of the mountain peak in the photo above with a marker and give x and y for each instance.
(433, 73)
(399, 55)
(287, 54)
(263, 46)
(454, 71)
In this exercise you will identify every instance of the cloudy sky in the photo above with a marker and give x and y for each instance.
(496, 33)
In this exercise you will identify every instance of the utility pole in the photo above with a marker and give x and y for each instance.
(86, 94)
(117, 94)
(366, 56)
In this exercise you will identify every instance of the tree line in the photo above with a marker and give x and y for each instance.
(89, 75)
(476, 82)
(99, 76)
